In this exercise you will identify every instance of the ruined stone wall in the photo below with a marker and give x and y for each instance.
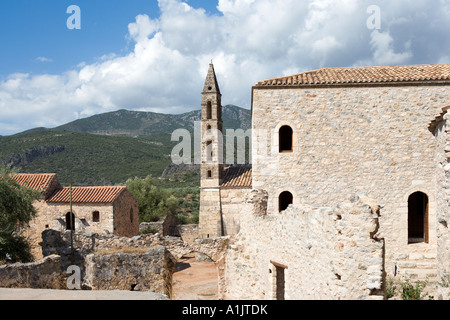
(188, 232)
(126, 215)
(151, 270)
(326, 253)
(443, 211)
(45, 274)
(110, 262)
(352, 139)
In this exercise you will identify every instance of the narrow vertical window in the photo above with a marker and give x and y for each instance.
(418, 218)
(208, 110)
(285, 139)
(209, 151)
(209, 174)
(278, 281)
(131, 215)
(95, 216)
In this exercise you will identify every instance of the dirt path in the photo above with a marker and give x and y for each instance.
(194, 280)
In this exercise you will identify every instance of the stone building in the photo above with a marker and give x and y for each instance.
(221, 188)
(320, 138)
(103, 209)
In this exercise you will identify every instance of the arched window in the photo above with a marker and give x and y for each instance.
(95, 216)
(70, 223)
(418, 218)
(208, 110)
(284, 200)
(285, 139)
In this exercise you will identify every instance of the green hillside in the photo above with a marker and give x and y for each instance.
(87, 159)
(109, 148)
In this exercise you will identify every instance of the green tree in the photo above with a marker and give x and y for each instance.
(16, 211)
(154, 202)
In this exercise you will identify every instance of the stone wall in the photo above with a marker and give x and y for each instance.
(55, 217)
(324, 253)
(352, 139)
(443, 201)
(151, 270)
(45, 274)
(126, 215)
(188, 232)
(231, 207)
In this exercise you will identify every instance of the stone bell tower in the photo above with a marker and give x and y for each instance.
(211, 168)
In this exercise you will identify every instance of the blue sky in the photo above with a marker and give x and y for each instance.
(37, 29)
(153, 55)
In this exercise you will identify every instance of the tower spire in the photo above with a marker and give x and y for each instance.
(211, 84)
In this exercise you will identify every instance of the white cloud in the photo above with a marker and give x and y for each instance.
(383, 51)
(249, 40)
(43, 59)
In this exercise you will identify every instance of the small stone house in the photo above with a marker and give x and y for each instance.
(100, 209)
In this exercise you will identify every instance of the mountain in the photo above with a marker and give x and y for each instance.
(87, 159)
(109, 148)
(139, 123)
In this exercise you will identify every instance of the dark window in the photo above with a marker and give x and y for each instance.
(418, 218)
(209, 151)
(279, 283)
(208, 110)
(96, 216)
(70, 223)
(285, 139)
(209, 174)
(284, 200)
(131, 215)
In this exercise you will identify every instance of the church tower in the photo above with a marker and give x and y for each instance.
(211, 167)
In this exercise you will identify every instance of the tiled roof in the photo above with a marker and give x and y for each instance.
(87, 194)
(364, 76)
(239, 176)
(35, 181)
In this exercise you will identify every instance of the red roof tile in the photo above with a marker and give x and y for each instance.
(35, 181)
(239, 176)
(87, 194)
(364, 75)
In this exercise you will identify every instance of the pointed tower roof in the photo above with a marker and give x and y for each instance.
(211, 84)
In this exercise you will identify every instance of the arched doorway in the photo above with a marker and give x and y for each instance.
(418, 217)
(284, 200)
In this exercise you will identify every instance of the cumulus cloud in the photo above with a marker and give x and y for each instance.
(249, 40)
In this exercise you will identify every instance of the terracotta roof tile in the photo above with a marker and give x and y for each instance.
(239, 176)
(105, 194)
(35, 181)
(363, 75)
